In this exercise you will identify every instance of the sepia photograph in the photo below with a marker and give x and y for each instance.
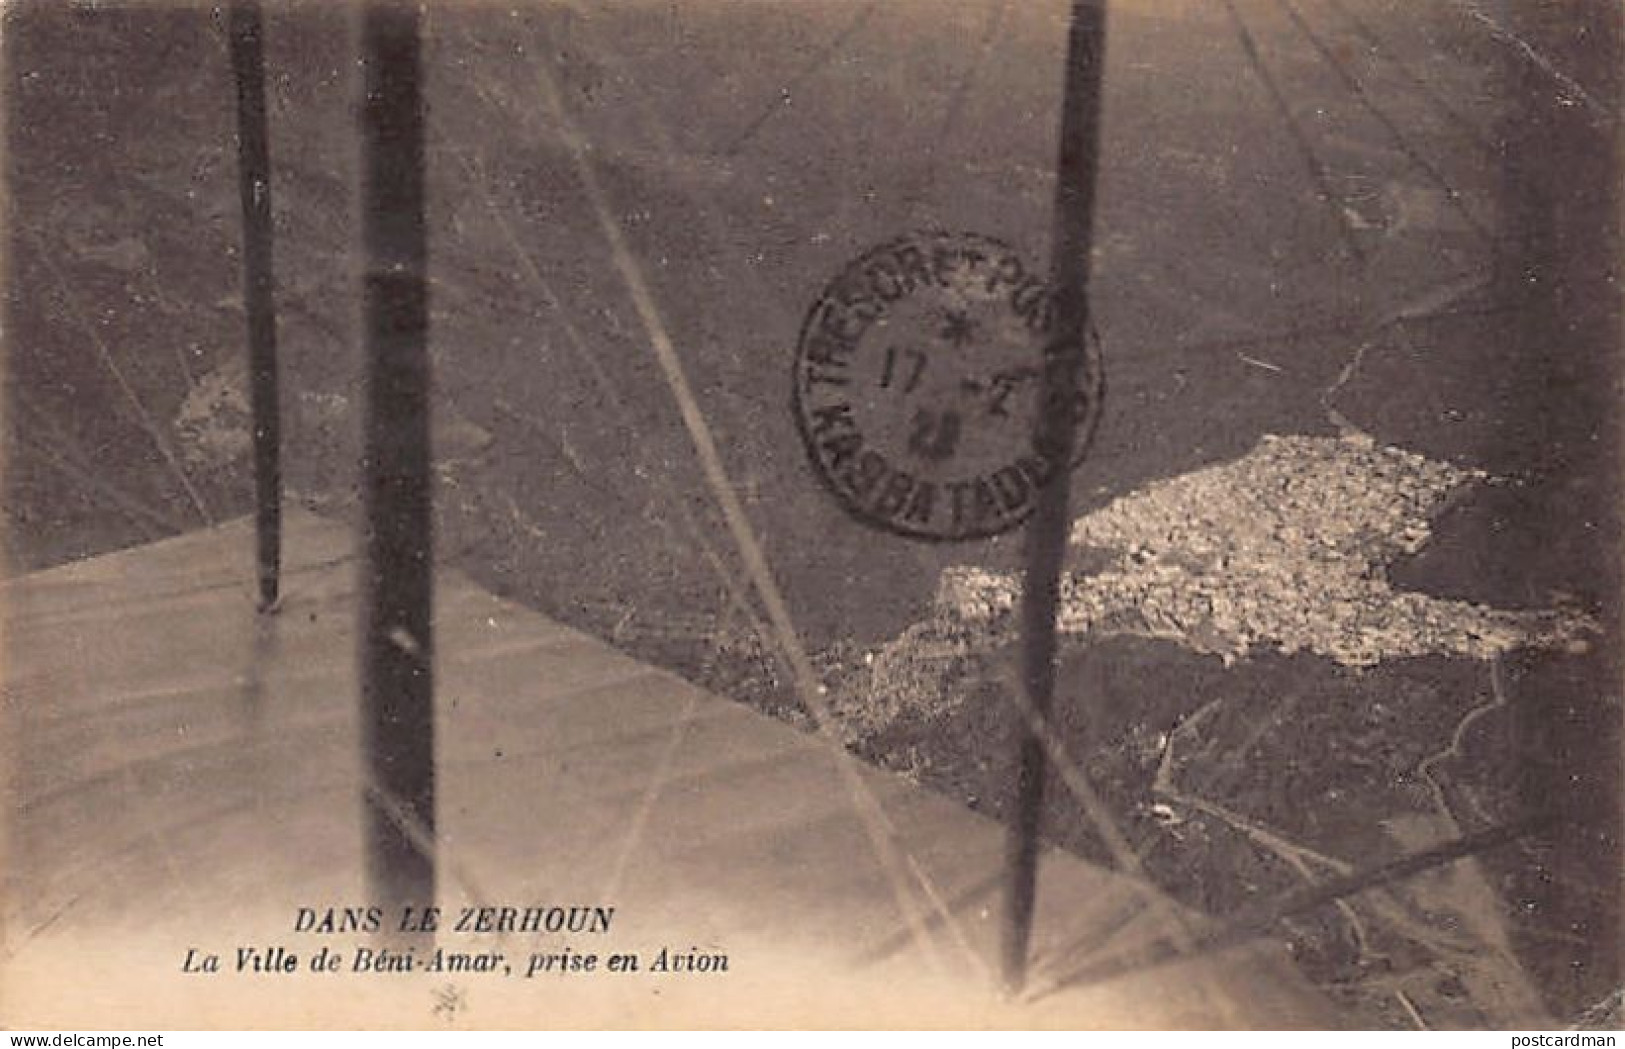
(812, 514)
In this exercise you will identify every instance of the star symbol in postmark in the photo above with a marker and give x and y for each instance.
(957, 328)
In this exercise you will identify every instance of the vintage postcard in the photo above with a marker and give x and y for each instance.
(729, 513)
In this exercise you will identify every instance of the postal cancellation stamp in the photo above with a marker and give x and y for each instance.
(918, 377)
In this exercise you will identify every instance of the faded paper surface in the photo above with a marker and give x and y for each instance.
(1344, 575)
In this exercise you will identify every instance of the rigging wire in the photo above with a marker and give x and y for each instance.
(1257, 919)
(1311, 160)
(104, 354)
(825, 55)
(1401, 142)
(898, 867)
(1377, 46)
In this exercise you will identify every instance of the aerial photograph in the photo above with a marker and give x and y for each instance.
(715, 514)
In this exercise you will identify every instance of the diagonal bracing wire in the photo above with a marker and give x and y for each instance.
(694, 535)
(532, 275)
(822, 58)
(1377, 46)
(1071, 776)
(1396, 135)
(660, 139)
(901, 872)
(59, 450)
(1174, 924)
(1311, 160)
(104, 353)
(1062, 428)
(929, 165)
(1256, 920)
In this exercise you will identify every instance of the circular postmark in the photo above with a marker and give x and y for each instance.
(918, 381)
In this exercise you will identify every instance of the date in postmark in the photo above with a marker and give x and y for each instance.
(918, 380)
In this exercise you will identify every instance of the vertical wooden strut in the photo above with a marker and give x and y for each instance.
(1055, 439)
(397, 685)
(245, 29)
